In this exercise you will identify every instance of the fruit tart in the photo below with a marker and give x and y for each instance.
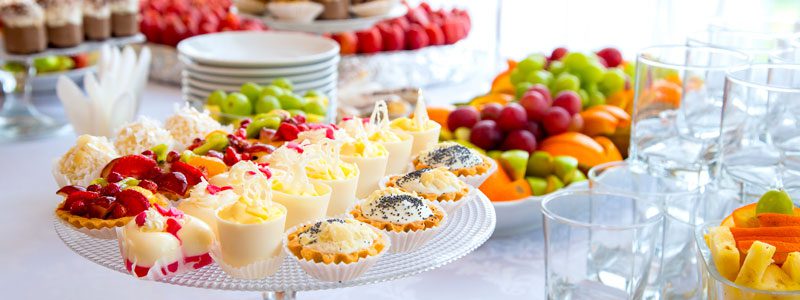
(335, 249)
(469, 165)
(170, 175)
(437, 185)
(98, 209)
(162, 242)
(409, 220)
(758, 247)
(83, 162)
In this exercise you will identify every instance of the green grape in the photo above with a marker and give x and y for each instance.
(556, 67)
(534, 62)
(566, 81)
(593, 72)
(540, 76)
(251, 90)
(576, 60)
(613, 81)
(272, 90)
(516, 76)
(630, 69)
(596, 98)
(522, 88)
(216, 98)
(584, 97)
(312, 93)
(283, 83)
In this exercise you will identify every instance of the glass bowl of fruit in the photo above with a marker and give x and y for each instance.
(253, 101)
(754, 253)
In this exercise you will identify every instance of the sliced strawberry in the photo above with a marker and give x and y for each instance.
(288, 132)
(133, 201)
(117, 211)
(193, 175)
(136, 166)
(82, 196)
(69, 189)
(140, 219)
(148, 185)
(231, 156)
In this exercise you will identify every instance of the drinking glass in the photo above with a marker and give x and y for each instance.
(685, 205)
(598, 245)
(760, 132)
(677, 107)
(758, 45)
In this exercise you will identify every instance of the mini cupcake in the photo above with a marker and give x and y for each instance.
(424, 130)
(162, 242)
(301, 11)
(204, 200)
(408, 219)
(335, 249)
(124, 17)
(64, 20)
(83, 162)
(96, 19)
(23, 27)
(306, 200)
(334, 9)
(141, 135)
(398, 144)
(437, 185)
(326, 167)
(187, 124)
(469, 165)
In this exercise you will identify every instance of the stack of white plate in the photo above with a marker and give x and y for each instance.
(225, 61)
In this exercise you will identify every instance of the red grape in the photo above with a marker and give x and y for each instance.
(519, 139)
(556, 120)
(558, 53)
(491, 111)
(485, 134)
(568, 100)
(536, 130)
(465, 116)
(513, 116)
(576, 124)
(534, 104)
(612, 57)
(542, 90)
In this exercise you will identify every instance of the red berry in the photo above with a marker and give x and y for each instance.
(133, 201)
(148, 185)
(77, 207)
(288, 132)
(231, 156)
(556, 120)
(485, 134)
(464, 116)
(173, 156)
(94, 188)
(512, 117)
(117, 211)
(110, 189)
(114, 177)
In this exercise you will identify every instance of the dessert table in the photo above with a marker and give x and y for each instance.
(37, 265)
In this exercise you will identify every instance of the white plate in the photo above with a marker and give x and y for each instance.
(332, 26)
(195, 67)
(204, 91)
(258, 49)
(523, 215)
(263, 80)
(235, 87)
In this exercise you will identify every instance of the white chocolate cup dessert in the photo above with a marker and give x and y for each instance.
(302, 209)
(244, 244)
(371, 170)
(343, 194)
(399, 153)
(424, 139)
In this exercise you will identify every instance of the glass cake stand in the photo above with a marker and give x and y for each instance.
(19, 119)
(464, 232)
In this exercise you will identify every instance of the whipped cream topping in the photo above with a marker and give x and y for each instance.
(395, 206)
(326, 164)
(430, 181)
(153, 221)
(450, 155)
(187, 124)
(201, 195)
(62, 12)
(289, 162)
(22, 14)
(96, 8)
(246, 179)
(321, 134)
(124, 6)
(83, 161)
(338, 236)
(143, 134)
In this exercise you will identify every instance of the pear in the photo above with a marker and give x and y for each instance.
(494, 154)
(564, 165)
(540, 164)
(514, 162)
(575, 176)
(553, 184)
(538, 185)
(775, 201)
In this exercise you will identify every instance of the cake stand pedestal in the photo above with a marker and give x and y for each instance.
(464, 232)
(19, 119)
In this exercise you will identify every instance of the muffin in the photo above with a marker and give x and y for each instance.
(64, 22)
(335, 249)
(469, 165)
(409, 220)
(437, 185)
(96, 20)
(24, 27)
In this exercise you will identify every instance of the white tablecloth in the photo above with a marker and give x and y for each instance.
(34, 264)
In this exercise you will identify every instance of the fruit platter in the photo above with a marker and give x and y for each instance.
(546, 121)
(753, 253)
(308, 206)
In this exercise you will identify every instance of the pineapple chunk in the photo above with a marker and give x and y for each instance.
(758, 258)
(723, 251)
(792, 266)
(775, 279)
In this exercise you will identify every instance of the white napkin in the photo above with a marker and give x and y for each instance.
(112, 97)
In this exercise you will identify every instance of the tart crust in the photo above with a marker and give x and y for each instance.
(478, 169)
(299, 251)
(452, 196)
(430, 222)
(90, 223)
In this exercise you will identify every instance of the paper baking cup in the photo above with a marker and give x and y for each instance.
(450, 207)
(301, 12)
(473, 180)
(159, 270)
(108, 233)
(336, 272)
(373, 8)
(256, 270)
(410, 241)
